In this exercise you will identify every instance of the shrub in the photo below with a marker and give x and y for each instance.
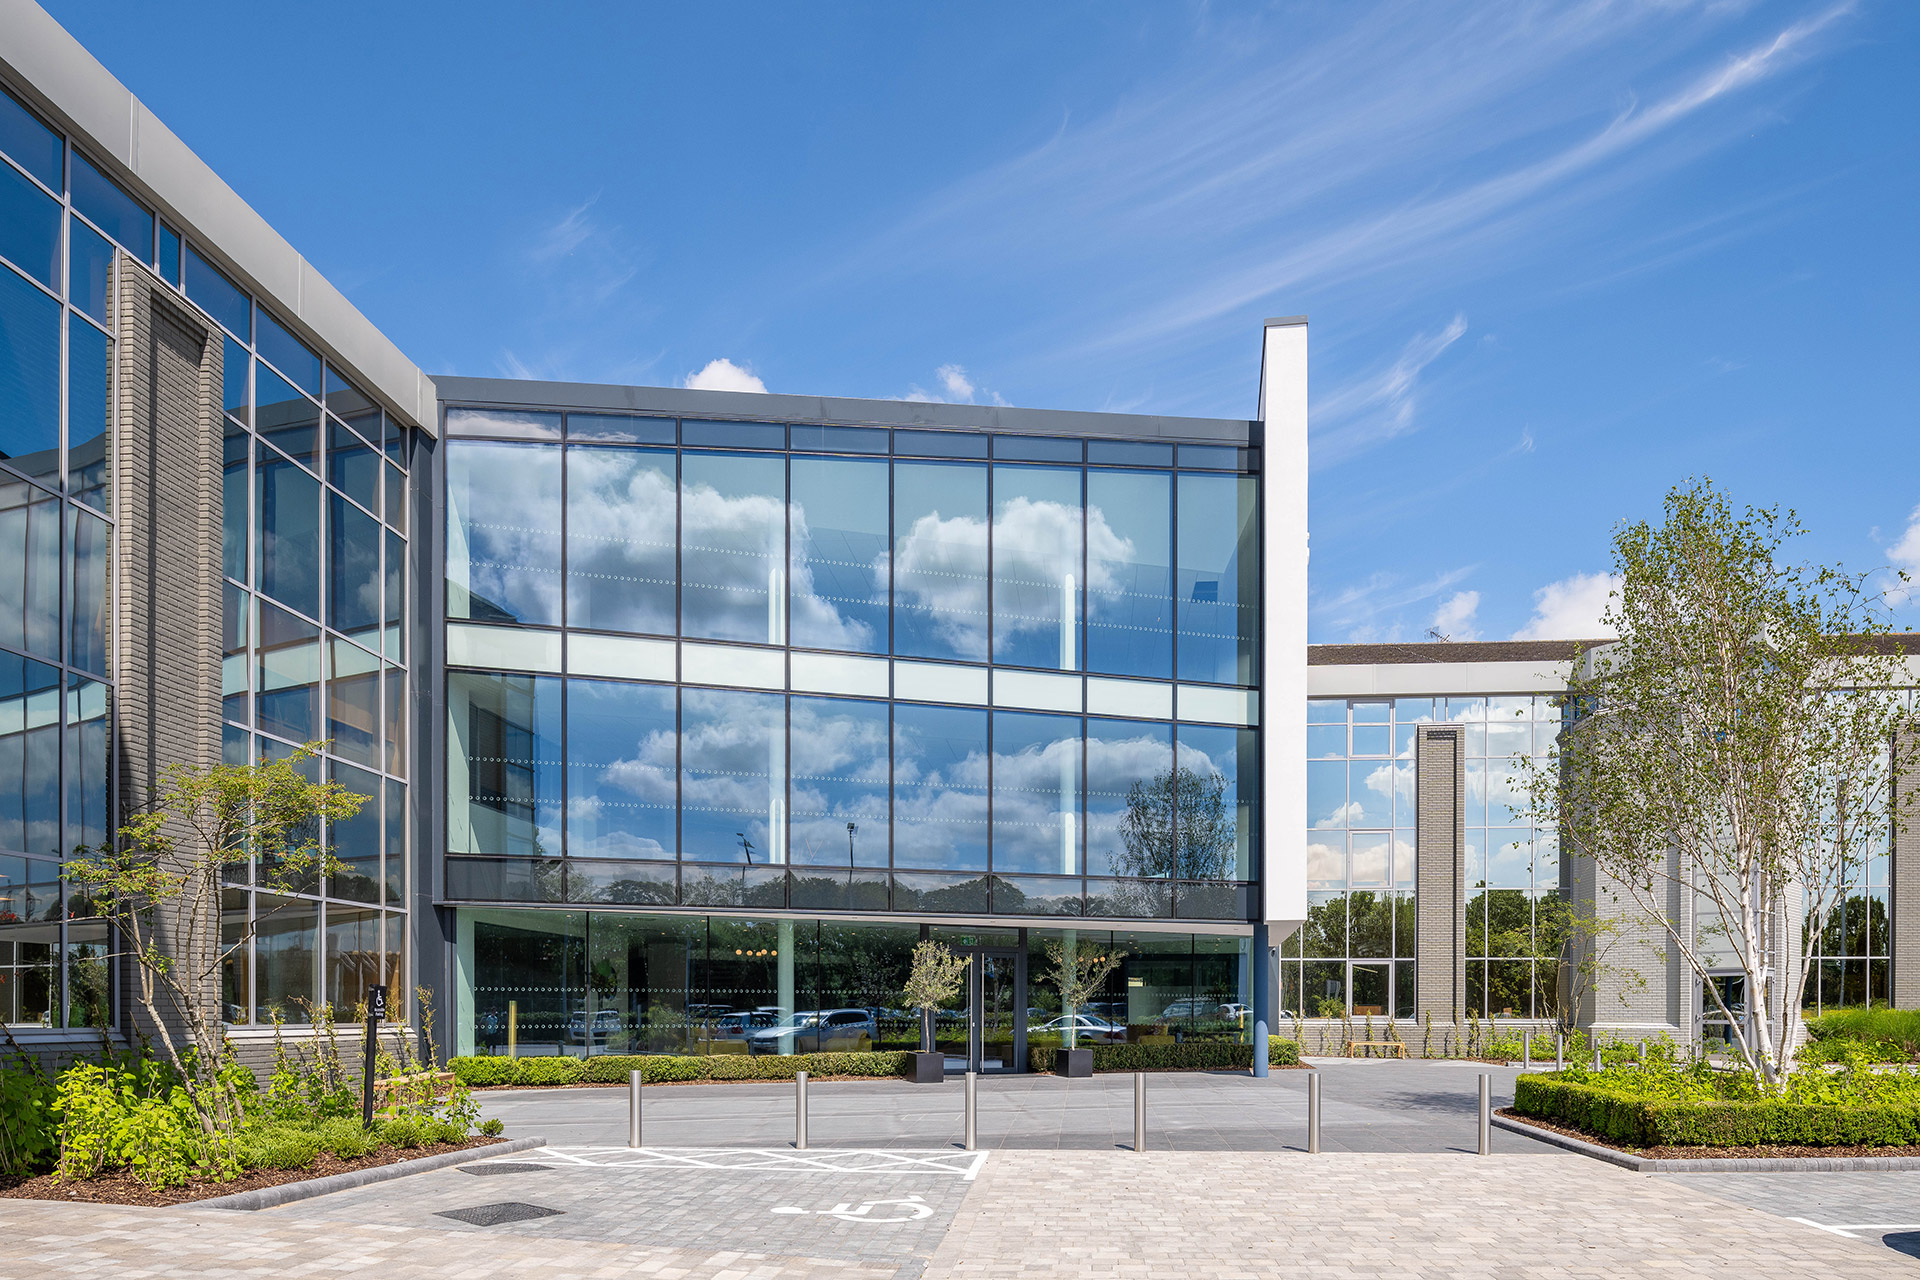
(1620, 1116)
(27, 1139)
(494, 1128)
(548, 1071)
(347, 1138)
(663, 1068)
(284, 1147)
(1890, 1035)
(1194, 1055)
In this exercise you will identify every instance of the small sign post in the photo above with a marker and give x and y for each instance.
(376, 1010)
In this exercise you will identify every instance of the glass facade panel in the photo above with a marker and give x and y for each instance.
(89, 270)
(283, 416)
(354, 588)
(1131, 789)
(1217, 581)
(503, 533)
(940, 561)
(111, 209)
(1036, 793)
(621, 770)
(29, 379)
(221, 299)
(732, 776)
(733, 546)
(504, 752)
(29, 569)
(940, 781)
(353, 702)
(621, 573)
(839, 554)
(89, 411)
(287, 533)
(287, 684)
(1130, 573)
(1037, 570)
(839, 783)
(34, 146)
(29, 228)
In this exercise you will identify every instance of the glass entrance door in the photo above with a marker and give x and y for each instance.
(996, 1014)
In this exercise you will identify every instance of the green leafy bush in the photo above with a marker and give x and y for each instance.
(1890, 1035)
(663, 1068)
(483, 1072)
(124, 1114)
(494, 1128)
(27, 1129)
(1194, 1055)
(406, 1132)
(347, 1138)
(549, 1071)
(283, 1147)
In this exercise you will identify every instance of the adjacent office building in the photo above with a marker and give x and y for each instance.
(676, 712)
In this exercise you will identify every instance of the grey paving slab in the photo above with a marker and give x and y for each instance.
(1882, 1206)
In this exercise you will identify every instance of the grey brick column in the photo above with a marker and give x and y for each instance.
(1904, 871)
(166, 572)
(1440, 840)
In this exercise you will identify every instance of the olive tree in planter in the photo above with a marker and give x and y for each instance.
(935, 979)
(1079, 975)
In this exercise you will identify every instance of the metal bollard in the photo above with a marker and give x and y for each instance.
(973, 1109)
(1559, 1052)
(1313, 1113)
(1526, 1050)
(1486, 1114)
(1643, 1053)
(1139, 1111)
(799, 1111)
(633, 1108)
(1596, 1057)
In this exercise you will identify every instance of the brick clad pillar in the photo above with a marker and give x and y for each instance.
(166, 572)
(1440, 842)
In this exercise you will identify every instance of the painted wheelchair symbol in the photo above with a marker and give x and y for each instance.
(916, 1211)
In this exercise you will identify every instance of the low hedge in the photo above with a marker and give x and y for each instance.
(1620, 1117)
(663, 1069)
(1194, 1055)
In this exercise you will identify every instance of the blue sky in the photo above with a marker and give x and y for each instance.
(1557, 257)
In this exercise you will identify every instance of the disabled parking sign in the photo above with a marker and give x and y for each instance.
(905, 1209)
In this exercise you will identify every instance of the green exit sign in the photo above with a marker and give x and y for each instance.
(967, 940)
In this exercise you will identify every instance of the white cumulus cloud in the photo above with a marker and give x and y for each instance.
(724, 375)
(1454, 618)
(1905, 555)
(1571, 609)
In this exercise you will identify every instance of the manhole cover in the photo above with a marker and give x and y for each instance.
(494, 1215)
(503, 1166)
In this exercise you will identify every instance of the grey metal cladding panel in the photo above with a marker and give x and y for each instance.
(682, 402)
(137, 149)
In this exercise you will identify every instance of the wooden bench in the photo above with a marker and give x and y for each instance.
(434, 1082)
(1399, 1050)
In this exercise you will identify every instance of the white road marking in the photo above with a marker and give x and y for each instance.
(918, 1210)
(1848, 1228)
(964, 1164)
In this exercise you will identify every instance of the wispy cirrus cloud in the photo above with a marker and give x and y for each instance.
(1375, 408)
(1369, 610)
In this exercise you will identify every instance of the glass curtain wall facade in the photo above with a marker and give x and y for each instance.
(59, 222)
(835, 668)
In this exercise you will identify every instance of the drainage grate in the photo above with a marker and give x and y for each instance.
(494, 1215)
(500, 1166)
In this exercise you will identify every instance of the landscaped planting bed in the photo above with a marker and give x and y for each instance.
(524, 1073)
(1194, 1055)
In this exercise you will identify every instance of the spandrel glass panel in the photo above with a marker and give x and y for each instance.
(940, 773)
(1217, 581)
(283, 416)
(839, 553)
(395, 611)
(29, 569)
(1129, 454)
(621, 770)
(219, 297)
(1130, 573)
(29, 228)
(733, 546)
(1036, 793)
(733, 776)
(615, 428)
(29, 379)
(504, 764)
(620, 539)
(508, 424)
(1038, 896)
(396, 498)
(285, 957)
(30, 143)
(1036, 566)
(89, 541)
(352, 466)
(353, 702)
(733, 435)
(1219, 782)
(288, 354)
(288, 675)
(353, 571)
(112, 210)
(839, 783)
(828, 439)
(89, 270)
(503, 532)
(1131, 792)
(29, 757)
(940, 560)
(89, 398)
(287, 533)
(356, 840)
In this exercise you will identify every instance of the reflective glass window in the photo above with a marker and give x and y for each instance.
(396, 592)
(1128, 453)
(839, 554)
(235, 505)
(732, 546)
(287, 533)
(284, 416)
(621, 770)
(1130, 573)
(29, 758)
(1036, 449)
(89, 271)
(1036, 793)
(620, 539)
(285, 949)
(395, 867)
(1217, 583)
(88, 539)
(288, 354)
(29, 977)
(825, 439)
(1131, 795)
(732, 776)
(350, 402)
(169, 255)
(29, 379)
(29, 228)
(353, 702)
(503, 764)
(1218, 781)
(31, 144)
(353, 571)
(504, 424)
(356, 840)
(287, 683)
(236, 684)
(940, 771)
(89, 399)
(352, 960)
(397, 720)
(839, 797)
(353, 467)
(940, 560)
(611, 428)
(733, 435)
(234, 382)
(219, 297)
(940, 444)
(29, 569)
(1036, 566)
(111, 209)
(396, 497)
(503, 533)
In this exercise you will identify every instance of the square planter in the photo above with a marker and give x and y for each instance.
(929, 1068)
(1073, 1063)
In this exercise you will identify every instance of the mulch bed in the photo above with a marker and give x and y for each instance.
(1712, 1153)
(120, 1188)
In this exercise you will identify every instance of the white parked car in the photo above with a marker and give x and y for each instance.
(1086, 1026)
